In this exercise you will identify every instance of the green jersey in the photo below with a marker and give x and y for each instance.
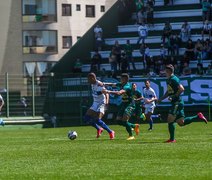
(128, 49)
(135, 95)
(172, 87)
(127, 96)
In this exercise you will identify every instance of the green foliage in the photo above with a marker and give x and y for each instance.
(35, 153)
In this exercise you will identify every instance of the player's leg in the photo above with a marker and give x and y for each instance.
(120, 115)
(171, 128)
(148, 114)
(191, 119)
(127, 114)
(171, 122)
(188, 120)
(101, 123)
(90, 117)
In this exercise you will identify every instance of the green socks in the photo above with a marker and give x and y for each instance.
(171, 127)
(129, 127)
(189, 120)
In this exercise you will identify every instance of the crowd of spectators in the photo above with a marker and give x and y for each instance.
(177, 47)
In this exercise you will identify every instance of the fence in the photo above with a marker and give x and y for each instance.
(69, 97)
(23, 96)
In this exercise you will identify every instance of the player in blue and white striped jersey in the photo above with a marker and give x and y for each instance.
(100, 100)
(149, 102)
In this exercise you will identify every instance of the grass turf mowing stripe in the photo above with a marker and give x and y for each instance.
(49, 154)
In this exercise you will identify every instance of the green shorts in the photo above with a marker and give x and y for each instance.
(126, 109)
(122, 108)
(177, 109)
(138, 110)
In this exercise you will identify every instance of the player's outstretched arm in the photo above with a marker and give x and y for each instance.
(116, 92)
(163, 97)
(109, 84)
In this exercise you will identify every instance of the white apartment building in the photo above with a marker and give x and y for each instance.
(35, 34)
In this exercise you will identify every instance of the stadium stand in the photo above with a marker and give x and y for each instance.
(121, 31)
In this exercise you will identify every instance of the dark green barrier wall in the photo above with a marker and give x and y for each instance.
(72, 97)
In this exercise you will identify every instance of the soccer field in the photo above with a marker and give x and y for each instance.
(29, 152)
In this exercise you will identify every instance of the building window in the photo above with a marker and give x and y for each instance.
(40, 69)
(78, 7)
(102, 8)
(39, 11)
(39, 42)
(90, 11)
(66, 9)
(67, 42)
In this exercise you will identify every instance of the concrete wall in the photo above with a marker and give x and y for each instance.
(11, 56)
(10, 37)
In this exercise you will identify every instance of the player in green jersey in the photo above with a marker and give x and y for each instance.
(137, 97)
(126, 108)
(176, 111)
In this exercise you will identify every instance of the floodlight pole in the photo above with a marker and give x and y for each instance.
(7, 93)
(33, 95)
(209, 107)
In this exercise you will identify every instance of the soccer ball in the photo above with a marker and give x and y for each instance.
(72, 135)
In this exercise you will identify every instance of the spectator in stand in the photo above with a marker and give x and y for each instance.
(198, 49)
(139, 5)
(177, 69)
(204, 51)
(167, 31)
(149, 15)
(158, 64)
(128, 51)
(117, 52)
(77, 66)
(185, 32)
(145, 54)
(206, 29)
(151, 3)
(151, 73)
(190, 49)
(112, 61)
(177, 44)
(170, 45)
(98, 37)
(172, 60)
(166, 60)
(184, 60)
(141, 17)
(205, 9)
(186, 69)
(143, 33)
(96, 61)
(209, 70)
(150, 62)
(162, 72)
(163, 51)
(208, 45)
(124, 63)
(200, 69)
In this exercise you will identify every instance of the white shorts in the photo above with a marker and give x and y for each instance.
(98, 107)
(149, 109)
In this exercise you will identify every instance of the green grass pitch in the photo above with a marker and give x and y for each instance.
(29, 152)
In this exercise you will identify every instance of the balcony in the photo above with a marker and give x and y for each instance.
(40, 50)
(39, 11)
(46, 18)
(39, 42)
